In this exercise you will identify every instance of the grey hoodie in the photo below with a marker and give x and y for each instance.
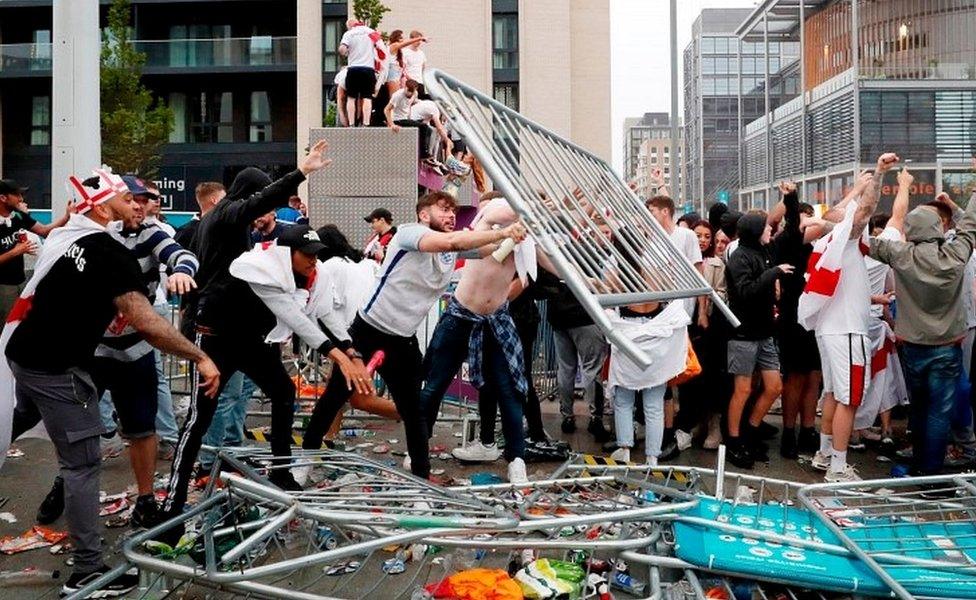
(929, 272)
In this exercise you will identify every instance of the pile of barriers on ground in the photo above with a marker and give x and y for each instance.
(592, 530)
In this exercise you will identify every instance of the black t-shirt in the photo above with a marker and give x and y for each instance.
(74, 304)
(12, 271)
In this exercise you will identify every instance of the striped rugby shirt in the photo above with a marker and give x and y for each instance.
(152, 248)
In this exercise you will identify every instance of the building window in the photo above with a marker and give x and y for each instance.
(505, 41)
(260, 118)
(507, 94)
(177, 104)
(40, 121)
(331, 35)
(199, 46)
(41, 53)
(260, 50)
(213, 117)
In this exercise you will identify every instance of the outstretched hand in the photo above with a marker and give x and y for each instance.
(315, 159)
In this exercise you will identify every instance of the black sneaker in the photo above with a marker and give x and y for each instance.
(146, 513)
(121, 585)
(669, 451)
(788, 445)
(569, 425)
(600, 433)
(285, 481)
(808, 441)
(766, 431)
(53, 504)
(610, 446)
(738, 455)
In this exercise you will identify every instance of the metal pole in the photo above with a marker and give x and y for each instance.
(675, 163)
(856, 59)
(76, 141)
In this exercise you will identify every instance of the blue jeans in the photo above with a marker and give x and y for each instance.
(448, 349)
(165, 419)
(623, 417)
(227, 426)
(931, 373)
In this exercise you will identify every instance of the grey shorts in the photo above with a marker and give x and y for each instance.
(747, 356)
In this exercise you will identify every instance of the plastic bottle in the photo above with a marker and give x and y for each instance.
(28, 576)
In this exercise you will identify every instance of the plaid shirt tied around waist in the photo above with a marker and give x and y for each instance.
(503, 328)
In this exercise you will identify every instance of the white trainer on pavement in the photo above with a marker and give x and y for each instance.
(621, 455)
(847, 475)
(714, 439)
(821, 461)
(516, 472)
(683, 439)
(477, 452)
(406, 463)
(651, 461)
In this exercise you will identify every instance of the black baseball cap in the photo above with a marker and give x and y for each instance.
(9, 186)
(379, 213)
(302, 238)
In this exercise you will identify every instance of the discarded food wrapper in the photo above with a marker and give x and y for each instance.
(8, 517)
(381, 449)
(394, 566)
(438, 448)
(104, 498)
(444, 456)
(35, 537)
(485, 478)
(114, 507)
(437, 471)
(342, 569)
(62, 548)
(14, 452)
(393, 441)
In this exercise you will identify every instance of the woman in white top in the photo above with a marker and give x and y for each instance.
(396, 43)
(414, 60)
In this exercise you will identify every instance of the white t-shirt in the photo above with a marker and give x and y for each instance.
(352, 283)
(413, 63)
(361, 53)
(687, 243)
(878, 271)
(340, 78)
(850, 309)
(408, 284)
(425, 110)
(731, 248)
(401, 104)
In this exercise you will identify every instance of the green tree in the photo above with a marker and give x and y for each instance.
(134, 125)
(369, 11)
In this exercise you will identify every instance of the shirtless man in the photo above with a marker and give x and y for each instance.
(477, 326)
(415, 273)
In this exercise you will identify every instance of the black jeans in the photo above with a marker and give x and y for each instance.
(423, 132)
(488, 403)
(401, 371)
(259, 361)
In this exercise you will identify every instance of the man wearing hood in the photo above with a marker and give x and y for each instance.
(232, 322)
(931, 321)
(752, 296)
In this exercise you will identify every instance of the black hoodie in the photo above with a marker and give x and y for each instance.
(226, 303)
(751, 282)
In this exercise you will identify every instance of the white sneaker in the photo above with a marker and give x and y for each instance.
(683, 439)
(847, 475)
(406, 463)
(821, 461)
(621, 455)
(714, 439)
(651, 461)
(516, 472)
(112, 447)
(301, 474)
(477, 452)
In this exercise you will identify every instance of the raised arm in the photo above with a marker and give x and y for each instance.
(900, 207)
(43, 230)
(868, 202)
(836, 212)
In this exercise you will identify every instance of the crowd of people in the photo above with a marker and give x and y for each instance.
(819, 328)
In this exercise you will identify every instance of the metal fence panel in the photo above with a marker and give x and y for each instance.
(599, 235)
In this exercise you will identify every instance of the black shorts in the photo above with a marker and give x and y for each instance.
(360, 82)
(798, 352)
(134, 392)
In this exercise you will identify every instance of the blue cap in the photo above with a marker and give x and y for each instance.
(137, 186)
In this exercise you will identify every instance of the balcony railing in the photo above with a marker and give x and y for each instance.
(255, 51)
(25, 58)
(250, 52)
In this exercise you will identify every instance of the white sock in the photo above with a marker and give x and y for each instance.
(826, 444)
(838, 461)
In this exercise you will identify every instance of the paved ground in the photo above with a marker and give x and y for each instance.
(26, 480)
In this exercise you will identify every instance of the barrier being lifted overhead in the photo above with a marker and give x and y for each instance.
(597, 232)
